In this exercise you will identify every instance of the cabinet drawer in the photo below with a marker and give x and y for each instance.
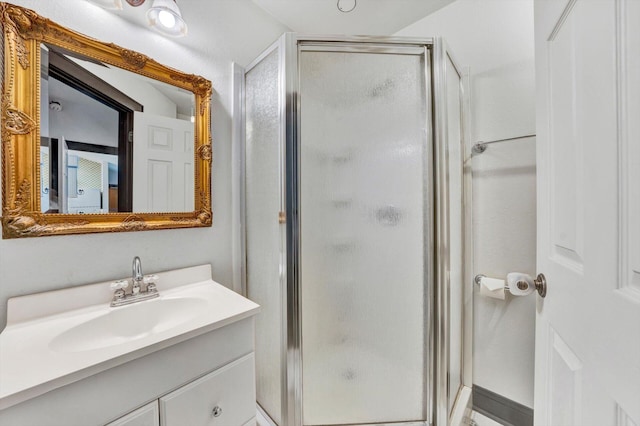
(229, 391)
(144, 416)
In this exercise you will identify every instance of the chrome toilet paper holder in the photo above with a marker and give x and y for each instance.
(540, 283)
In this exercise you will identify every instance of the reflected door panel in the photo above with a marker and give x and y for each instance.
(162, 164)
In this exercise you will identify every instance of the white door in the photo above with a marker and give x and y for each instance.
(163, 174)
(588, 109)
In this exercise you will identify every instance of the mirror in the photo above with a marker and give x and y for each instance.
(89, 111)
(97, 137)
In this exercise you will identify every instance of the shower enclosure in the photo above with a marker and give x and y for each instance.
(353, 236)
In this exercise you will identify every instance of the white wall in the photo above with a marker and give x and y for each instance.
(38, 264)
(495, 38)
(82, 119)
(135, 86)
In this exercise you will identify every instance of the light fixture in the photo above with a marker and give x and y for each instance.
(108, 4)
(346, 6)
(165, 16)
(55, 106)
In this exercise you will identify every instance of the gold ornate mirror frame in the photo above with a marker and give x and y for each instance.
(23, 31)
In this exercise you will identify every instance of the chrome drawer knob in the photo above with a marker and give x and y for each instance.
(217, 411)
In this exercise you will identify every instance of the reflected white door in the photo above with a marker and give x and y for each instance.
(588, 326)
(163, 175)
(63, 175)
(44, 178)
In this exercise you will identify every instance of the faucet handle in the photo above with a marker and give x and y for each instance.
(150, 279)
(119, 285)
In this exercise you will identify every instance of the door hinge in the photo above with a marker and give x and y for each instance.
(130, 136)
(282, 217)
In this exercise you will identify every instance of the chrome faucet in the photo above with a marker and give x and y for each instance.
(125, 293)
(136, 276)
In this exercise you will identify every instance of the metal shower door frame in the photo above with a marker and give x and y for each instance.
(294, 44)
(436, 241)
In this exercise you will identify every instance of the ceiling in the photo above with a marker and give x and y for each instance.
(231, 26)
(370, 17)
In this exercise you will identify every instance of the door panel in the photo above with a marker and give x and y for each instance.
(159, 179)
(567, 218)
(566, 377)
(588, 326)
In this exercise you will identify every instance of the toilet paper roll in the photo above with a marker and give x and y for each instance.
(520, 284)
(492, 287)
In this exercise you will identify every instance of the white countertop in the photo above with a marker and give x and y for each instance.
(29, 366)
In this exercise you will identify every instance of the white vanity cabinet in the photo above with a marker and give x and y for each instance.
(188, 380)
(196, 353)
(224, 397)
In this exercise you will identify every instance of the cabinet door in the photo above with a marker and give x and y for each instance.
(146, 415)
(225, 397)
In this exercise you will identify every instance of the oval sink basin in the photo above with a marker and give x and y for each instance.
(124, 324)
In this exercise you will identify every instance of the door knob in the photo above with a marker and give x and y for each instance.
(541, 285)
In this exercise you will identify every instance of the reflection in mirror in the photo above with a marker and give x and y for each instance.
(112, 140)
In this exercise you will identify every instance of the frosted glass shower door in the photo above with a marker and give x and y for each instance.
(264, 242)
(364, 212)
